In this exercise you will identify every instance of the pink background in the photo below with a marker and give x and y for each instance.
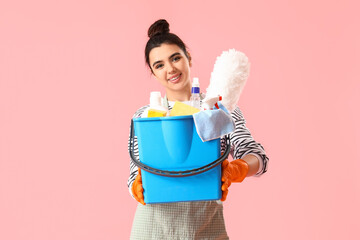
(72, 73)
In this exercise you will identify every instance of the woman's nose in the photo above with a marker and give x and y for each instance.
(171, 68)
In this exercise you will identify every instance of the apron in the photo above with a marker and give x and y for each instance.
(179, 221)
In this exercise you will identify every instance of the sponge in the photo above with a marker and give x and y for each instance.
(181, 109)
(156, 113)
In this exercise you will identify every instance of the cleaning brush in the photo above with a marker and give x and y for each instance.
(228, 78)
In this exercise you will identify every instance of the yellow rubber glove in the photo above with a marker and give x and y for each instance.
(137, 189)
(234, 171)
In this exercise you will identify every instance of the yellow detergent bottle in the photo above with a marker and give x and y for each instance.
(156, 109)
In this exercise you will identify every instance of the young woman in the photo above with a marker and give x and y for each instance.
(170, 63)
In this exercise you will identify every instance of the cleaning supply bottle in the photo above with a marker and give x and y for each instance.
(210, 103)
(195, 94)
(155, 109)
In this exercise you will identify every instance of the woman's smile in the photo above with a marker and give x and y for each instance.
(175, 79)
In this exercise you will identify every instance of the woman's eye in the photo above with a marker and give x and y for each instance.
(175, 59)
(159, 66)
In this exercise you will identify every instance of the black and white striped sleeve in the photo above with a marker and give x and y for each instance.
(242, 143)
(133, 167)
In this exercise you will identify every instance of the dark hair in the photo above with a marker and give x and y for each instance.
(158, 34)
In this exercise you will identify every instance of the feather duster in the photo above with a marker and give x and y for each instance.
(228, 78)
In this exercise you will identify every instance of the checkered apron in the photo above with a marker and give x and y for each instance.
(181, 220)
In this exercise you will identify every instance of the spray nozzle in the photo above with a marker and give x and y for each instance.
(195, 82)
(210, 103)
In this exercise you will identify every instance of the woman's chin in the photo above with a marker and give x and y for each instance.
(179, 88)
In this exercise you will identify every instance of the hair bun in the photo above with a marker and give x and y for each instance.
(159, 27)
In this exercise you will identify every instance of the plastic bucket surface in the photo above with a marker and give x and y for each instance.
(172, 143)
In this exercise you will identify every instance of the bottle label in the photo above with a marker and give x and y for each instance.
(195, 90)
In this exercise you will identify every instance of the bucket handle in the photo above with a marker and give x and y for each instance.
(166, 173)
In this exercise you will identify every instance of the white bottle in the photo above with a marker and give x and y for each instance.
(195, 94)
(155, 103)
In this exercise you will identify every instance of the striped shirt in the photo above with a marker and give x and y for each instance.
(241, 141)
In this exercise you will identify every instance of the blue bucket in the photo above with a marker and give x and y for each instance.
(172, 145)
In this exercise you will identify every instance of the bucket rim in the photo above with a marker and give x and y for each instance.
(163, 118)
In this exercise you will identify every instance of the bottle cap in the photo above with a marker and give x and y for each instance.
(195, 82)
(155, 98)
(155, 95)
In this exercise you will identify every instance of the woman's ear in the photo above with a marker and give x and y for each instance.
(189, 57)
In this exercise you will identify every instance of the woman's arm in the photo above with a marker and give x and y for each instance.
(245, 147)
(133, 167)
(253, 163)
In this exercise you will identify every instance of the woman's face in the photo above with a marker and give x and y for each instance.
(171, 68)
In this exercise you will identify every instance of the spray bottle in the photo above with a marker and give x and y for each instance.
(195, 93)
(210, 103)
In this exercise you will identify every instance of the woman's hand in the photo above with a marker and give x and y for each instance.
(234, 171)
(137, 189)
